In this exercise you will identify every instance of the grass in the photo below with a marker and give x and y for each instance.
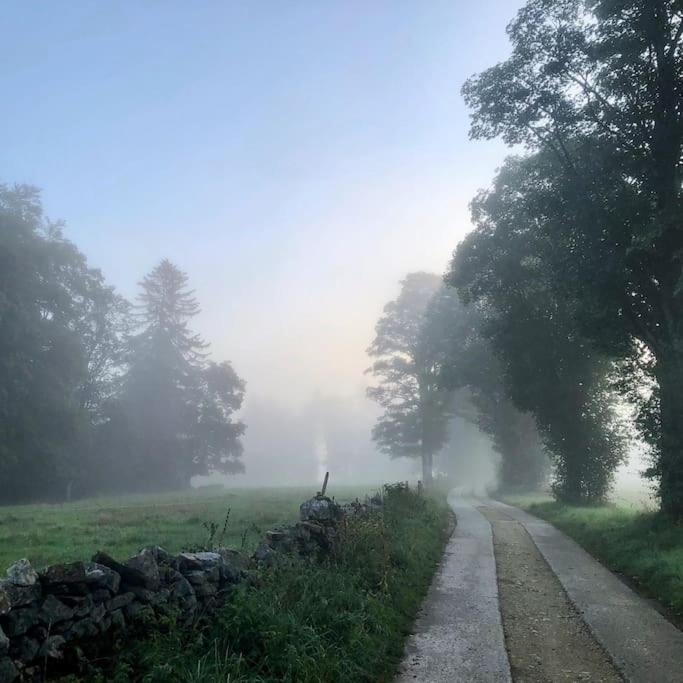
(344, 619)
(67, 532)
(643, 546)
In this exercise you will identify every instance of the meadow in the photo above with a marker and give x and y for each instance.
(50, 533)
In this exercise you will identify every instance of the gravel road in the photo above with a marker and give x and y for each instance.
(516, 600)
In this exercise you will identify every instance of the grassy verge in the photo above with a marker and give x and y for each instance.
(645, 547)
(344, 619)
(122, 525)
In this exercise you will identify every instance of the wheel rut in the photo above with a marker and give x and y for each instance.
(545, 636)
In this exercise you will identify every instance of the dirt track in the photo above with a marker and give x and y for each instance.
(516, 600)
(545, 637)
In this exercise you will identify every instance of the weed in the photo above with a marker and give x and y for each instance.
(341, 620)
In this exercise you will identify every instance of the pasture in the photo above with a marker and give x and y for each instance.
(50, 533)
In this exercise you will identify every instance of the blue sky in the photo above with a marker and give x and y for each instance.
(295, 158)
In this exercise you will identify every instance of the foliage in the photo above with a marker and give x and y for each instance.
(341, 621)
(468, 366)
(60, 328)
(550, 369)
(416, 407)
(595, 88)
(645, 547)
(172, 418)
(85, 405)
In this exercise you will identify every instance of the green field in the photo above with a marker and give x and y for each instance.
(121, 526)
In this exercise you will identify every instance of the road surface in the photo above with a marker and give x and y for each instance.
(517, 600)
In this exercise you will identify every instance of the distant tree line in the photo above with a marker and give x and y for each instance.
(98, 394)
(574, 269)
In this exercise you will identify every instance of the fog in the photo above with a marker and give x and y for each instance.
(294, 190)
(325, 434)
(295, 162)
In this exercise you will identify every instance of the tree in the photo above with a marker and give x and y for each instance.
(416, 407)
(173, 417)
(55, 312)
(550, 369)
(470, 369)
(598, 87)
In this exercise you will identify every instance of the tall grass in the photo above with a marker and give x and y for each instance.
(344, 619)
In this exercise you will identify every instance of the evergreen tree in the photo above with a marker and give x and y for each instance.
(173, 419)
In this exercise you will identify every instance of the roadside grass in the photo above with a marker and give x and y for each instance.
(343, 620)
(51, 533)
(643, 546)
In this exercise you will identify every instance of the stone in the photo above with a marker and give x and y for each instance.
(205, 590)
(320, 509)
(105, 624)
(141, 594)
(97, 613)
(280, 540)
(81, 604)
(101, 595)
(18, 596)
(28, 649)
(197, 578)
(4, 643)
(39, 632)
(119, 601)
(8, 672)
(118, 621)
(64, 574)
(62, 627)
(233, 566)
(79, 588)
(209, 559)
(53, 647)
(21, 573)
(102, 577)
(188, 562)
(138, 571)
(54, 610)
(162, 556)
(85, 628)
(5, 602)
(265, 556)
(145, 562)
(18, 621)
(183, 594)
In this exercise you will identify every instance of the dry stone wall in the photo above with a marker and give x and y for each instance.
(57, 619)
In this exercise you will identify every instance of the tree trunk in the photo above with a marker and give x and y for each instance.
(670, 465)
(427, 467)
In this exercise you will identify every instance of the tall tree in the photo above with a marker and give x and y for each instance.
(416, 407)
(174, 416)
(598, 87)
(549, 367)
(469, 367)
(54, 313)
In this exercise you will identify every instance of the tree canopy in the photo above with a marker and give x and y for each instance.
(593, 91)
(416, 407)
(94, 393)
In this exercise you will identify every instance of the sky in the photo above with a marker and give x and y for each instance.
(296, 158)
